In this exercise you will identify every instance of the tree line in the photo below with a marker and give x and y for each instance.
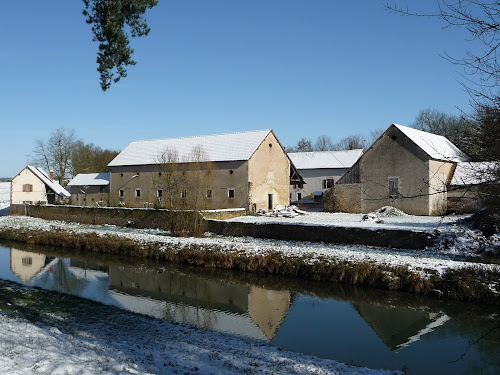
(67, 155)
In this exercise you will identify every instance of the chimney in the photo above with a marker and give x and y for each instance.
(51, 175)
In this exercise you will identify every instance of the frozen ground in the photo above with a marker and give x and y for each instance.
(4, 198)
(108, 341)
(374, 221)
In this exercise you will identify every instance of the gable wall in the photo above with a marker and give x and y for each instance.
(27, 177)
(269, 173)
(395, 158)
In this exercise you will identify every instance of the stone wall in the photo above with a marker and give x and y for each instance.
(343, 198)
(125, 217)
(400, 239)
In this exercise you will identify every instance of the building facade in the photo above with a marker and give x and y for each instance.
(247, 170)
(35, 186)
(90, 189)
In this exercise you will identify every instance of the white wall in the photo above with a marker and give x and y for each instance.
(27, 177)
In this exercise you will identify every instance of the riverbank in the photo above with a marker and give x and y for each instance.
(420, 272)
(59, 336)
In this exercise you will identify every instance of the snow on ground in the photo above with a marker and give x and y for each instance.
(4, 197)
(341, 219)
(73, 341)
(414, 259)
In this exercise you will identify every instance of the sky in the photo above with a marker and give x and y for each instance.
(301, 68)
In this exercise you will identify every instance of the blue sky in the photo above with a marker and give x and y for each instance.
(302, 68)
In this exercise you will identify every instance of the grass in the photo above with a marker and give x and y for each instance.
(468, 284)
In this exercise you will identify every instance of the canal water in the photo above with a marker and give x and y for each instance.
(360, 326)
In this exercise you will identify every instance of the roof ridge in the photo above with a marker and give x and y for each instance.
(200, 136)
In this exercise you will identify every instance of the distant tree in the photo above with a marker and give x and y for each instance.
(55, 153)
(112, 22)
(351, 142)
(459, 130)
(89, 158)
(323, 143)
(373, 135)
(303, 145)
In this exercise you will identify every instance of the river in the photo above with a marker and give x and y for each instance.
(367, 327)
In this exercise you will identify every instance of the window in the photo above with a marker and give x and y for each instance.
(137, 193)
(101, 189)
(299, 196)
(121, 193)
(393, 187)
(230, 193)
(28, 188)
(327, 183)
(27, 261)
(159, 193)
(209, 193)
(183, 193)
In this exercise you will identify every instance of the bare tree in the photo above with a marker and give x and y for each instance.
(55, 154)
(168, 177)
(323, 143)
(351, 142)
(481, 20)
(461, 131)
(303, 145)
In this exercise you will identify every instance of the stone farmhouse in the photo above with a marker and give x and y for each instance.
(34, 186)
(320, 170)
(90, 189)
(249, 170)
(405, 168)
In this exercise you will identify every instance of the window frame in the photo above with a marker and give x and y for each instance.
(393, 187)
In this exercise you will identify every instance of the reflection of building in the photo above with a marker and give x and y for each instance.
(26, 265)
(398, 327)
(211, 304)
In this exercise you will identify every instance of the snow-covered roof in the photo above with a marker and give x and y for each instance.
(325, 159)
(90, 179)
(436, 146)
(45, 178)
(474, 173)
(218, 147)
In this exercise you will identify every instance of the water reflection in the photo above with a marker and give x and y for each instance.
(371, 328)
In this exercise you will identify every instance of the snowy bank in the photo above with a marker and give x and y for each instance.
(65, 339)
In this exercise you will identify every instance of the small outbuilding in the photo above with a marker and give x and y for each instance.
(90, 189)
(35, 186)
(405, 168)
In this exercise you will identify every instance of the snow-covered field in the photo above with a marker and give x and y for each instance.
(4, 197)
(399, 220)
(117, 342)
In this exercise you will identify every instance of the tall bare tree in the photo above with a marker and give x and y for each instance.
(55, 153)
